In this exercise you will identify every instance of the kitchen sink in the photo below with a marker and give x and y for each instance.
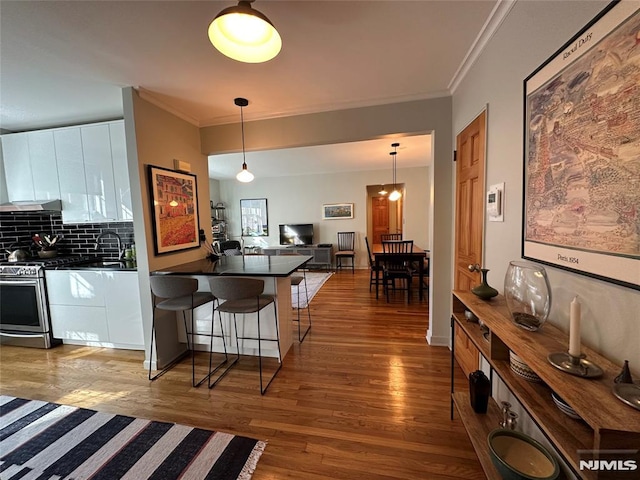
(106, 263)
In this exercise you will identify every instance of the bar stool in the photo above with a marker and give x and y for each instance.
(245, 295)
(296, 281)
(179, 294)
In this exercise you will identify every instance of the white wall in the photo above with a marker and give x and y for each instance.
(531, 33)
(299, 199)
(157, 137)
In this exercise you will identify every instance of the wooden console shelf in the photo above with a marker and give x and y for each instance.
(608, 423)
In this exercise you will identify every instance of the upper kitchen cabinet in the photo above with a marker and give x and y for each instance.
(44, 168)
(17, 167)
(73, 186)
(84, 166)
(120, 170)
(30, 166)
(98, 171)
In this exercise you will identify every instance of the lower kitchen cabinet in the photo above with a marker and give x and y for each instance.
(96, 308)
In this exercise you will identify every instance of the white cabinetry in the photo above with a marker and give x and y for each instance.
(120, 171)
(85, 166)
(30, 166)
(73, 187)
(17, 167)
(44, 168)
(99, 308)
(122, 302)
(98, 171)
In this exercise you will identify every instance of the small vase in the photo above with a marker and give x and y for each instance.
(484, 290)
(528, 294)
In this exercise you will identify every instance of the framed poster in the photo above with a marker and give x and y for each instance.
(253, 217)
(582, 152)
(335, 211)
(174, 203)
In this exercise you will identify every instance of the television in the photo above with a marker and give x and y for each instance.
(296, 234)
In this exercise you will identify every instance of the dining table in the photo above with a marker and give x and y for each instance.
(417, 255)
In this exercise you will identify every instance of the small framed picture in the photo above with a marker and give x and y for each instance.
(334, 211)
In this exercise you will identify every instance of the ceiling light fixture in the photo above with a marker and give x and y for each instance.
(244, 175)
(382, 191)
(245, 34)
(395, 195)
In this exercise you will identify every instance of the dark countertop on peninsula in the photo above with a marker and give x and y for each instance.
(240, 266)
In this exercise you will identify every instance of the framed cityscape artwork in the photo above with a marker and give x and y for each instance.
(174, 202)
(582, 152)
(337, 210)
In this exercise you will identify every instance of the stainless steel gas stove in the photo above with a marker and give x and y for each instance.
(24, 310)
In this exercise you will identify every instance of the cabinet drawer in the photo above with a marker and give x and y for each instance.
(72, 287)
(86, 324)
(466, 353)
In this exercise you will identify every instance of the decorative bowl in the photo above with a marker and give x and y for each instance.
(517, 456)
(47, 253)
(522, 369)
(564, 407)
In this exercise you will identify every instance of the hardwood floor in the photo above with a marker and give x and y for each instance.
(363, 397)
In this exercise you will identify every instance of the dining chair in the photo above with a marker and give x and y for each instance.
(346, 249)
(374, 270)
(387, 237)
(241, 296)
(230, 247)
(397, 265)
(179, 294)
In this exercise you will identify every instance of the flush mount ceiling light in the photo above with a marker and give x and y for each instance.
(245, 34)
(244, 175)
(395, 195)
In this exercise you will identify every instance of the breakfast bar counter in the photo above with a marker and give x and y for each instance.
(240, 266)
(274, 270)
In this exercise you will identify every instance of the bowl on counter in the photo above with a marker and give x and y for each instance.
(517, 456)
(48, 253)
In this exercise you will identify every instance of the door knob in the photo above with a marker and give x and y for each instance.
(474, 268)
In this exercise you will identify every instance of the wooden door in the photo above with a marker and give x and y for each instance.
(470, 167)
(470, 144)
(379, 217)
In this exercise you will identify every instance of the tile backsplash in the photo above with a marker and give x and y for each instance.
(17, 228)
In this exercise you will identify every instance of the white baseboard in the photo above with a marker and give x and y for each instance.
(437, 341)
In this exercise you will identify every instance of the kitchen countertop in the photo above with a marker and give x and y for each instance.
(240, 265)
(101, 264)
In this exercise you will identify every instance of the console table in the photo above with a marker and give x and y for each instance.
(322, 256)
(609, 425)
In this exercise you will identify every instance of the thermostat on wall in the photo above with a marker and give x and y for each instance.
(495, 199)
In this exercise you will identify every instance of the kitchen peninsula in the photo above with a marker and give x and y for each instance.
(274, 270)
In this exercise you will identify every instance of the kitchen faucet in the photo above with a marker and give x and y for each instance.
(110, 232)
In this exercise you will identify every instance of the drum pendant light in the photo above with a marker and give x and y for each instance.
(244, 175)
(245, 34)
(395, 195)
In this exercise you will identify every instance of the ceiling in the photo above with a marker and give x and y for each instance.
(65, 62)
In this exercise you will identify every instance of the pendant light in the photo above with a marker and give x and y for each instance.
(395, 195)
(245, 34)
(244, 175)
(382, 191)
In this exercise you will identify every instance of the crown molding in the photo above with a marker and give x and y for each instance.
(496, 17)
(149, 97)
(312, 109)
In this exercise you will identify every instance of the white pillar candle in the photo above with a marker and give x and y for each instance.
(574, 328)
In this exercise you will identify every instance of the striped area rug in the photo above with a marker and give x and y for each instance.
(47, 441)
